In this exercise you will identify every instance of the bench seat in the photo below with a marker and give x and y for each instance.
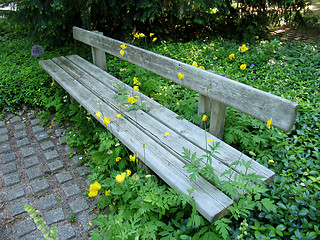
(88, 85)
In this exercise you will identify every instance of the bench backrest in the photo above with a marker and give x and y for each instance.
(215, 91)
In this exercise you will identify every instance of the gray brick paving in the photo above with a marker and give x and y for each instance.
(32, 161)
(22, 142)
(20, 135)
(52, 155)
(4, 148)
(36, 170)
(27, 151)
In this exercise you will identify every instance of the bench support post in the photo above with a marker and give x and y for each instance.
(99, 57)
(217, 120)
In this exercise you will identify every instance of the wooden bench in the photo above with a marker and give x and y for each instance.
(89, 84)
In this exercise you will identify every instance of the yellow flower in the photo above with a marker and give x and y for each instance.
(52, 84)
(136, 35)
(144, 101)
(106, 121)
(243, 66)
(98, 114)
(122, 53)
(244, 48)
(108, 193)
(232, 56)
(95, 186)
(204, 118)
(210, 140)
(135, 81)
(123, 46)
(166, 134)
(120, 178)
(126, 105)
(269, 123)
(271, 161)
(151, 34)
(136, 88)
(195, 64)
(90, 223)
(132, 100)
(154, 39)
(132, 158)
(141, 35)
(92, 193)
(178, 103)
(8, 122)
(180, 75)
(148, 176)
(39, 90)
(201, 67)
(118, 115)
(118, 159)
(128, 173)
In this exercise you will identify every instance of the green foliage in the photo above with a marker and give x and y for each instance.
(51, 21)
(47, 232)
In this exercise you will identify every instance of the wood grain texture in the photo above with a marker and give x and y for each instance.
(210, 202)
(252, 101)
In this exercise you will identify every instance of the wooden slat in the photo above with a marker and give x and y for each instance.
(252, 101)
(226, 155)
(210, 202)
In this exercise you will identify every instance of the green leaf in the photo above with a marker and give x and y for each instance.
(223, 227)
(268, 204)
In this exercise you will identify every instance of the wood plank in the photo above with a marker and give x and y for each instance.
(227, 155)
(252, 101)
(210, 202)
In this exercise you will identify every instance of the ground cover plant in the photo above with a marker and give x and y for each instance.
(141, 205)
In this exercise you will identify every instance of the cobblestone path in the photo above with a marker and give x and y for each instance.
(35, 169)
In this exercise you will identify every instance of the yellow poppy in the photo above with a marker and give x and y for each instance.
(269, 123)
(98, 114)
(180, 75)
(106, 121)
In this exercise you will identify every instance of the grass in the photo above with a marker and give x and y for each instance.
(286, 69)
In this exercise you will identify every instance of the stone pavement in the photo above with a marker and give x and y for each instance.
(35, 169)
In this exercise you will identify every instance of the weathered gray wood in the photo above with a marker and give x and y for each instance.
(252, 101)
(203, 107)
(227, 155)
(217, 119)
(210, 202)
(99, 56)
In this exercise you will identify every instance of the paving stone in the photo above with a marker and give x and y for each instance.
(82, 171)
(32, 161)
(62, 140)
(8, 158)
(24, 227)
(55, 166)
(46, 145)
(34, 122)
(79, 205)
(18, 208)
(11, 180)
(15, 193)
(54, 216)
(66, 232)
(37, 129)
(3, 131)
(9, 168)
(34, 173)
(59, 132)
(4, 138)
(84, 218)
(15, 119)
(63, 177)
(46, 202)
(52, 155)
(22, 142)
(42, 136)
(71, 190)
(36, 235)
(39, 185)
(19, 127)
(20, 135)
(27, 151)
(4, 148)
(2, 124)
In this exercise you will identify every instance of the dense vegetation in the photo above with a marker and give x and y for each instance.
(144, 206)
(52, 20)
